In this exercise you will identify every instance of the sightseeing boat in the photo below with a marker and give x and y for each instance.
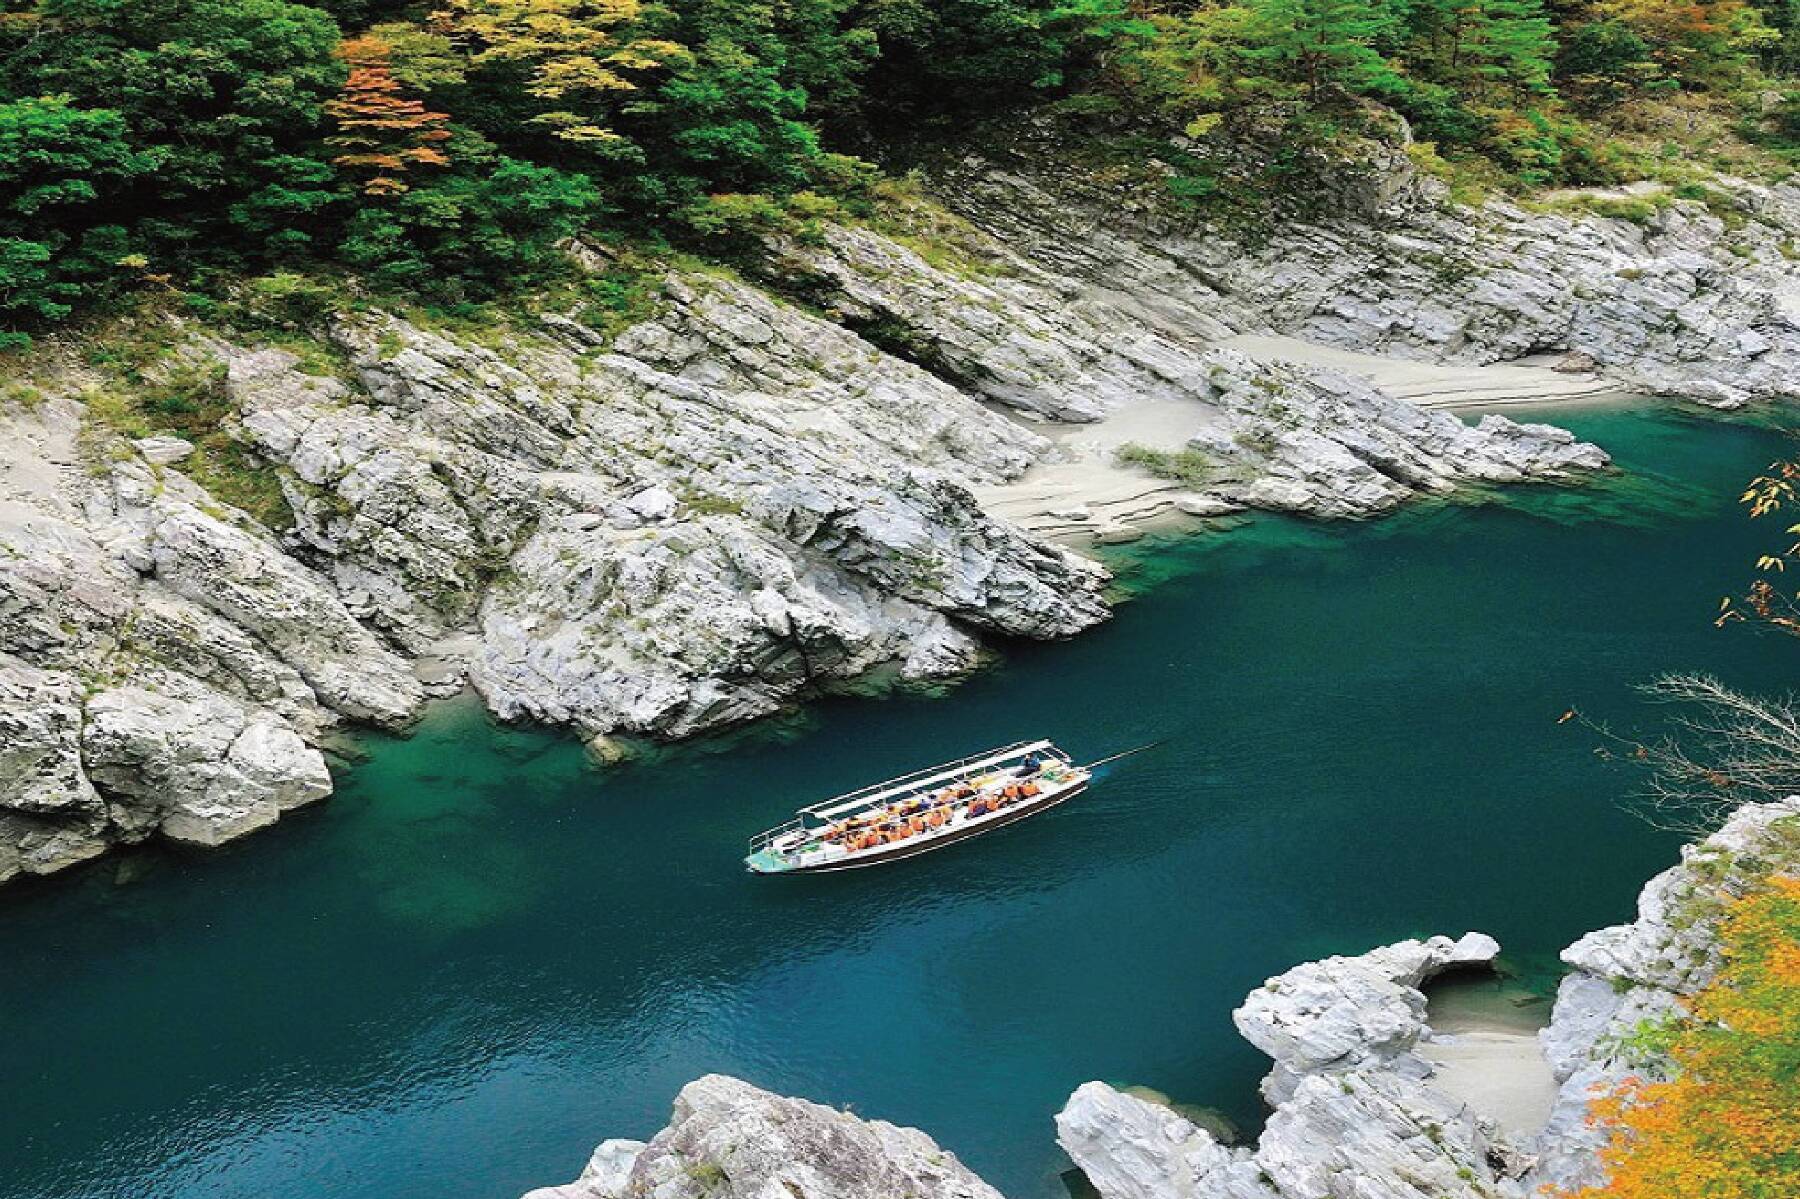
(922, 811)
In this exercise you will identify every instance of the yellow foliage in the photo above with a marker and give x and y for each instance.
(1725, 1126)
(579, 53)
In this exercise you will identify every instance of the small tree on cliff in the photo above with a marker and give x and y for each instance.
(1507, 42)
(383, 133)
(1324, 42)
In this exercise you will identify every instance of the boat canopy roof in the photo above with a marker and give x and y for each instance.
(918, 780)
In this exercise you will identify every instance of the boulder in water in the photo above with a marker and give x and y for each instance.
(730, 1140)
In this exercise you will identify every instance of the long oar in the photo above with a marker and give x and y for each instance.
(1125, 754)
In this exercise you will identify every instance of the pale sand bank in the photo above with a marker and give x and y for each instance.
(1500, 1073)
(1049, 499)
(1430, 385)
(1485, 1047)
(1090, 478)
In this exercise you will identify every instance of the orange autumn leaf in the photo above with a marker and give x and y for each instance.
(383, 133)
(1723, 1127)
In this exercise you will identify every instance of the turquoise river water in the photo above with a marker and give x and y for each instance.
(484, 956)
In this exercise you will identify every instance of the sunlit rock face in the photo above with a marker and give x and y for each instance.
(729, 1140)
(1354, 1111)
(1684, 304)
(165, 665)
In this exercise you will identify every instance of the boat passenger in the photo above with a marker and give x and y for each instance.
(1029, 789)
(937, 818)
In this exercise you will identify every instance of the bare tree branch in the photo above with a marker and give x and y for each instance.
(1724, 749)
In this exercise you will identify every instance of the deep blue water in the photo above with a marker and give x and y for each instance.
(485, 956)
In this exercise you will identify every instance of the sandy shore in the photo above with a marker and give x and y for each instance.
(1498, 1072)
(1427, 384)
(1089, 496)
(1485, 1047)
(1089, 493)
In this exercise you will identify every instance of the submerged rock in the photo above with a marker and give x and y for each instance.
(729, 1140)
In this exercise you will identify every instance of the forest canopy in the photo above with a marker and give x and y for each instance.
(447, 148)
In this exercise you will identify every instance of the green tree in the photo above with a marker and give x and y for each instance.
(1507, 42)
(225, 95)
(487, 224)
(939, 55)
(1604, 63)
(1325, 43)
(58, 164)
(730, 117)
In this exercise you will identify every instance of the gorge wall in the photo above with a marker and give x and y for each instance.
(761, 488)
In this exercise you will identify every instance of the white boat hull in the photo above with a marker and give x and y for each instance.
(927, 842)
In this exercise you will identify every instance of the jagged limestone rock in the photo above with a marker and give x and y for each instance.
(1683, 304)
(1325, 443)
(162, 662)
(729, 1140)
(1355, 1117)
(696, 547)
(1351, 1013)
(1132, 1148)
(194, 764)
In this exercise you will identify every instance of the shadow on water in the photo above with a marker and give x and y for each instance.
(484, 955)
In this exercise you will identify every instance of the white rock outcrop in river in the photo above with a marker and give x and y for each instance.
(1344, 1014)
(729, 1140)
(1355, 1115)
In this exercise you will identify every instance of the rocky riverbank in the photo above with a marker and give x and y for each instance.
(759, 489)
(1359, 1110)
(1358, 1106)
